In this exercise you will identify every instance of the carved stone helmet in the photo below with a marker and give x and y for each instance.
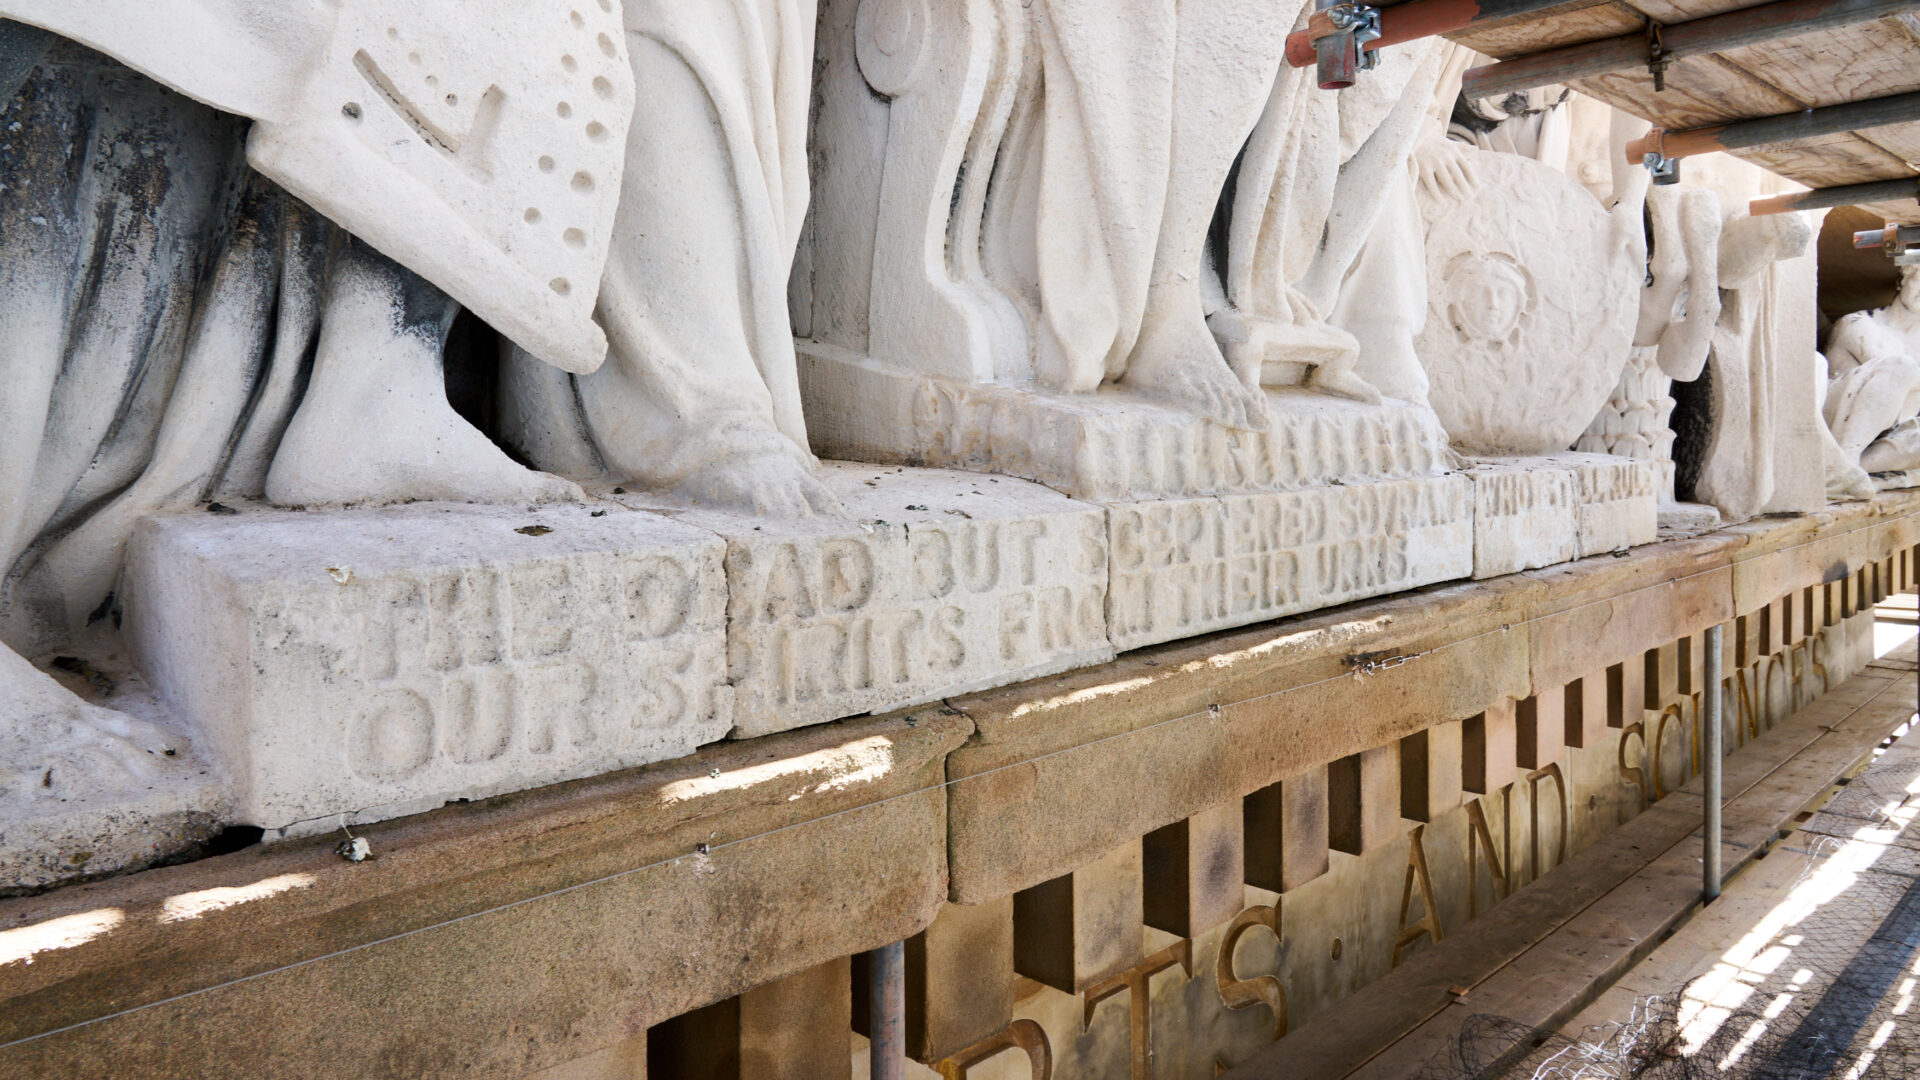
(477, 143)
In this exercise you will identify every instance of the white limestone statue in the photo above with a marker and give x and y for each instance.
(1679, 308)
(480, 148)
(180, 328)
(166, 311)
(1845, 480)
(1320, 274)
(1534, 303)
(1874, 357)
(1051, 170)
(1130, 116)
(1713, 391)
(1028, 253)
(1732, 467)
(700, 394)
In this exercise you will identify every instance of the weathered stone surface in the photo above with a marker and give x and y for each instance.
(1524, 515)
(1032, 793)
(1111, 445)
(1626, 692)
(65, 822)
(1540, 728)
(1584, 710)
(1194, 871)
(755, 905)
(369, 663)
(1664, 667)
(1289, 698)
(1530, 316)
(1618, 502)
(1183, 567)
(1785, 554)
(1082, 927)
(622, 1061)
(586, 912)
(935, 583)
(1604, 611)
(796, 1028)
(1537, 511)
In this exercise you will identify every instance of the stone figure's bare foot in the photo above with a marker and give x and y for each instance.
(375, 425)
(56, 746)
(768, 483)
(396, 444)
(1341, 380)
(1181, 365)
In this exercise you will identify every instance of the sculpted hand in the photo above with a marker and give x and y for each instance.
(1444, 169)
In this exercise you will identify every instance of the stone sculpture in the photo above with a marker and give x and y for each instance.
(1728, 462)
(180, 328)
(1874, 398)
(1319, 272)
(257, 349)
(232, 296)
(700, 393)
(1131, 116)
(1010, 265)
(1712, 392)
(1532, 313)
(1678, 309)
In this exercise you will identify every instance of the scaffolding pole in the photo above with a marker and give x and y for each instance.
(1713, 739)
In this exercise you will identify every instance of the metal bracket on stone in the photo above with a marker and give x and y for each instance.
(1340, 33)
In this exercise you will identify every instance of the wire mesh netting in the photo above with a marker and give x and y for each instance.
(1822, 985)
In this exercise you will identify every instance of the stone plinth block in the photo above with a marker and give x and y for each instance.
(1618, 501)
(1194, 871)
(377, 662)
(1430, 771)
(789, 1029)
(935, 583)
(1084, 927)
(1284, 826)
(502, 937)
(959, 979)
(1655, 593)
(1114, 444)
(1363, 799)
(1489, 749)
(1525, 514)
(1182, 567)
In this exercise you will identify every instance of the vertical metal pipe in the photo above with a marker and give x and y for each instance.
(887, 1000)
(1710, 771)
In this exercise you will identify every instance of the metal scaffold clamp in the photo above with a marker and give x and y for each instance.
(1665, 170)
(1340, 33)
(1900, 242)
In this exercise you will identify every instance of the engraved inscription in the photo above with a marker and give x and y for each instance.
(1186, 566)
(1510, 493)
(822, 627)
(554, 658)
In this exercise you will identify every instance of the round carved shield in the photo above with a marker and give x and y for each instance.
(1530, 308)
